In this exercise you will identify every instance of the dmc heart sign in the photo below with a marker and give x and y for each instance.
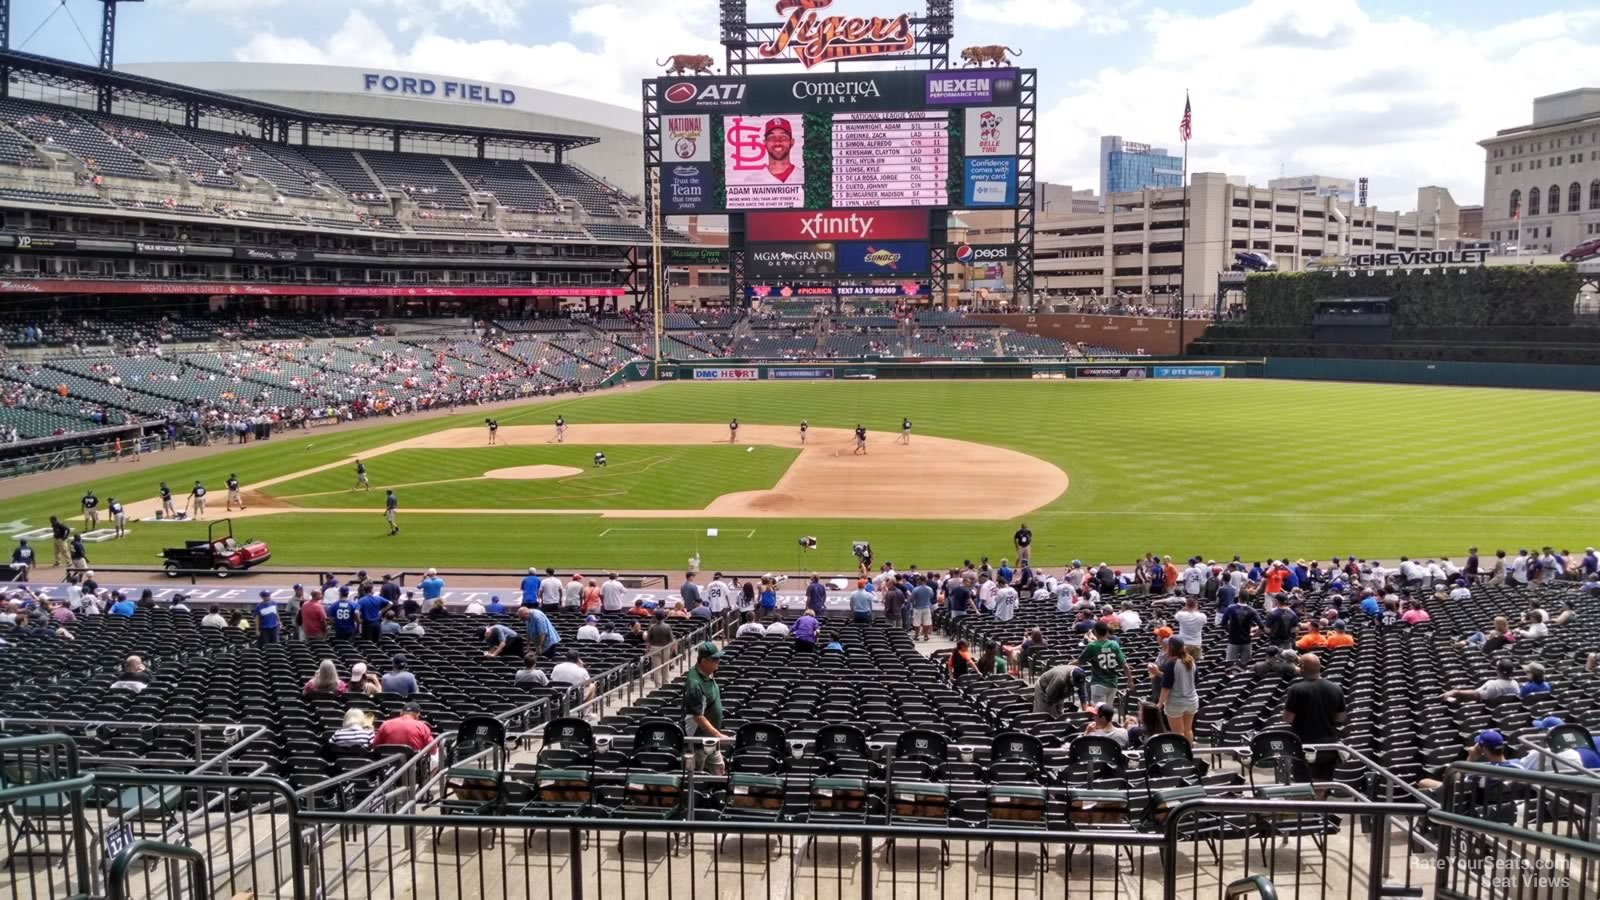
(811, 39)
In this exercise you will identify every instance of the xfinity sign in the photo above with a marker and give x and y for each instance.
(1404, 258)
(832, 225)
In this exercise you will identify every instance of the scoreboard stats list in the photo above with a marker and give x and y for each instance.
(891, 158)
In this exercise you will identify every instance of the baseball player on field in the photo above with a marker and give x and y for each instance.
(803, 429)
(861, 440)
(494, 429)
(361, 477)
(91, 510)
(733, 431)
(390, 504)
(905, 431)
(561, 429)
(233, 492)
(119, 516)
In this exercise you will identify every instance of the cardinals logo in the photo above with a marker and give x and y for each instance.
(911, 288)
(761, 291)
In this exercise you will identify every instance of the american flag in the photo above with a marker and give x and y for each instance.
(1186, 126)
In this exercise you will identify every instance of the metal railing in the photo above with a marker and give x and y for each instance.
(120, 876)
(1518, 834)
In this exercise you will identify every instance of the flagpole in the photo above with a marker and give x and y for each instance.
(1183, 268)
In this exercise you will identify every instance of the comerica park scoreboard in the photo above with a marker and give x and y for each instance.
(855, 140)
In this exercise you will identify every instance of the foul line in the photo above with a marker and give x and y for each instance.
(747, 532)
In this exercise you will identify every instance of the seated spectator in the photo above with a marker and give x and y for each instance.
(1278, 663)
(405, 730)
(610, 635)
(1492, 639)
(399, 679)
(1341, 637)
(1533, 626)
(133, 677)
(1414, 614)
(776, 628)
(1105, 724)
(388, 624)
(1504, 684)
(123, 607)
(1312, 639)
(589, 631)
(413, 627)
(748, 626)
(1460, 591)
(437, 609)
(355, 733)
(1488, 748)
(1536, 683)
(326, 681)
(495, 607)
(474, 608)
(530, 673)
(639, 609)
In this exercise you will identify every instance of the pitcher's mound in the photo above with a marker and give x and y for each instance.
(528, 473)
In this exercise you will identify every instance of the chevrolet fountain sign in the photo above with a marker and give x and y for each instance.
(1409, 258)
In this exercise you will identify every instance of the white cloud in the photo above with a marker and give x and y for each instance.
(1323, 86)
(620, 43)
(1035, 13)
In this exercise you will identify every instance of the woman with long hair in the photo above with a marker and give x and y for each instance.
(326, 681)
(1179, 701)
(961, 660)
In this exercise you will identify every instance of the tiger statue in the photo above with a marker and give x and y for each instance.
(694, 63)
(995, 53)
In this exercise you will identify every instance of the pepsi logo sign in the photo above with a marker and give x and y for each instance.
(966, 254)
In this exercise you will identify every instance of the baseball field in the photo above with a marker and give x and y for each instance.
(1099, 471)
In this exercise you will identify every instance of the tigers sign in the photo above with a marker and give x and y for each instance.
(813, 39)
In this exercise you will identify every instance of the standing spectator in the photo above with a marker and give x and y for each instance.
(346, 615)
(1191, 624)
(816, 595)
(572, 593)
(530, 587)
(432, 586)
(894, 601)
(1178, 698)
(550, 591)
(922, 609)
(543, 638)
(591, 598)
(1005, 602)
(660, 640)
(266, 612)
(1105, 661)
(1314, 710)
(805, 631)
(861, 602)
(1057, 683)
(613, 595)
(702, 709)
(1240, 621)
(501, 641)
(1023, 542)
(372, 607)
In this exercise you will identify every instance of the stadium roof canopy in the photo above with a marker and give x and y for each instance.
(269, 121)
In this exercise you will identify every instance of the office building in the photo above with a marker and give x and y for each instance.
(1136, 245)
(1050, 199)
(1130, 166)
(1541, 181)
(1317, 186)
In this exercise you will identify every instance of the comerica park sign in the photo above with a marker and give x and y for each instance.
(1405, 258)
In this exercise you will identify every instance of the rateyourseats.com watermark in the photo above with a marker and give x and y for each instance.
(1496, 872)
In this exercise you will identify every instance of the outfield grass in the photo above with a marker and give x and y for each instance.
(1260, 468)
(635, 477)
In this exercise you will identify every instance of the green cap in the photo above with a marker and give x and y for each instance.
(709, 650)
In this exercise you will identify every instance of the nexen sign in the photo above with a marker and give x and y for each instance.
(439, 90)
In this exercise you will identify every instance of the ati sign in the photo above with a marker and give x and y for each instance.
(968, 255)
(704, 93)
(810, 39)
(833, 224)
(1404, 258)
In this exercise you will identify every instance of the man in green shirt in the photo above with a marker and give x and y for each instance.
(1104, 657)
(702, 709)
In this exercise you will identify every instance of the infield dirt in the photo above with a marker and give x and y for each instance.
(929, 478)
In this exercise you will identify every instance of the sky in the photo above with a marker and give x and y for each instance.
(1399, 92)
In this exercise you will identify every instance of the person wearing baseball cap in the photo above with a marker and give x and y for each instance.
(778, 138)
(1571, 754)
(589, 630)
(266, 612)
(399, 679)
(702, 708)
(405, 730)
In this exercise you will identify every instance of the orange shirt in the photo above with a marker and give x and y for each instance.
(1339, 640)
(1312, 641)
(1275, 580)
(1172, 575)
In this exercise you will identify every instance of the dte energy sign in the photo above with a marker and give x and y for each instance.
(413, 86)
